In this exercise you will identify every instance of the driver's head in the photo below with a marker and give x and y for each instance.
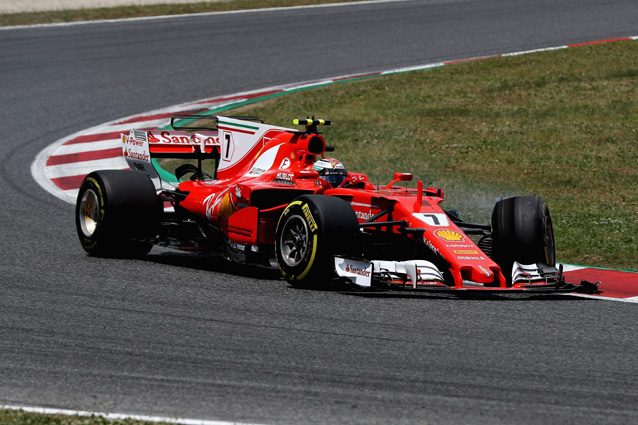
(331, 170)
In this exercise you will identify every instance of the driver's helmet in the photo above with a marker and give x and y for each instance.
(331, 170)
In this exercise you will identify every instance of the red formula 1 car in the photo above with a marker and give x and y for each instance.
(274, 200)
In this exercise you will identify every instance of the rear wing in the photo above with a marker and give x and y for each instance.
(182, 144)
(146, 144)
(140, 146)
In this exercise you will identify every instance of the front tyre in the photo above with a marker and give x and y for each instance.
(117, 214)
(310, 232)
(522, 231)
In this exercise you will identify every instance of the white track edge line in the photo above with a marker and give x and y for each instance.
(525, 52)
(631, 300)
(188, 15)
(414, 68)
(119, 416)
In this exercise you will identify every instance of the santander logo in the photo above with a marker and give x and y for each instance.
(358, 271)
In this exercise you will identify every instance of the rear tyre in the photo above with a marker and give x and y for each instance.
(117, 214)
(310, 232)
(522, 231)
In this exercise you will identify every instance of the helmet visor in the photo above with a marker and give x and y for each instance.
(334, 177)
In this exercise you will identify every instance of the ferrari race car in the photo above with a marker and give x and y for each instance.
(274, 200)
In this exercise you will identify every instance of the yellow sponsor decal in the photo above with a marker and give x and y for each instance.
(466, 251)
(449, 235)
(309, 218)
(226, 207)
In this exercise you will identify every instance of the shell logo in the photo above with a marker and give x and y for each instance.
(449, 235)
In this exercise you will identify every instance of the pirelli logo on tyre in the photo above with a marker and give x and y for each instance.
(309, 218)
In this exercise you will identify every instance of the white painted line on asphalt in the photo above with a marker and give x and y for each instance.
(313, 84)
(228, 12)
(120, 416)
(633, 300)
(525, 52)
(413, 68)
(221, 105)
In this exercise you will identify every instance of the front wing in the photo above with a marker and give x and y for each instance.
(425, 276)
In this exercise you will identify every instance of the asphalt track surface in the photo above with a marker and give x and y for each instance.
(196, 338)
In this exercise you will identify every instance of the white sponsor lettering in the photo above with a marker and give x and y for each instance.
(173, 138)
(135, 147)
(256, 171)
(284, 176)
(471, 257)
(363, 215)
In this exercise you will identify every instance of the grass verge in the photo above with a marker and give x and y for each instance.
(120, 12)
(560, 124)
(19, 417)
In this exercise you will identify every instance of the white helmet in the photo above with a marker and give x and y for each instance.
(331, 170)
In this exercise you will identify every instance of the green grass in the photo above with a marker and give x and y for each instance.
(560, 124)
(19, 417)
(30, 18)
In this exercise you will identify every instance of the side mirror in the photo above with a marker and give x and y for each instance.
(399, 177)
(403, 177)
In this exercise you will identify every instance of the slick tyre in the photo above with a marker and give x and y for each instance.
(310, 232)
(117, 214)
(522, 231)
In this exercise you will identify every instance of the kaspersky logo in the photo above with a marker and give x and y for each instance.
(358, 271)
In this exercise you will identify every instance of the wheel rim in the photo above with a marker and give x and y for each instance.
(89, 212)
(294, 240)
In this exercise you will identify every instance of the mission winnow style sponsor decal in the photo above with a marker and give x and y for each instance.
(61, 166)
